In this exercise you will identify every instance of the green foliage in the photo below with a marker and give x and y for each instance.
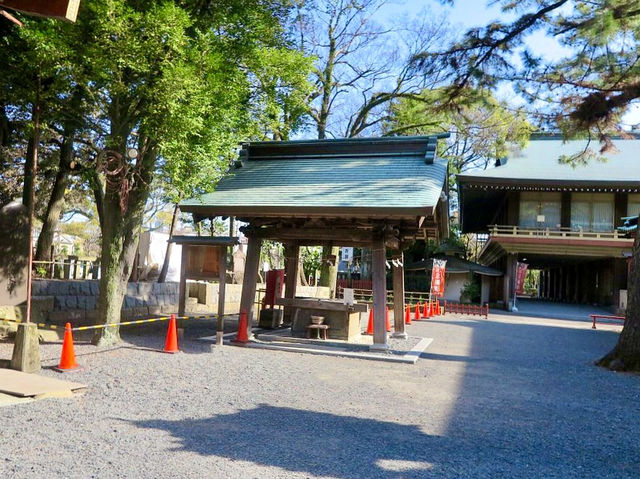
(272, 252)
(481, 127)
(471, 291)
(584, 93)
(311, 258)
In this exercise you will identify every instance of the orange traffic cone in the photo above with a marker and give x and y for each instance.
(417, 311)
(425, 310)
(68, 356)
(387, 320)
(242, 336)
(171, 343)
(430, 309)
(407, 315)
(370, 323)
(438, 307)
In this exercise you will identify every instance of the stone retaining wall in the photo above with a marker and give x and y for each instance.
(59, 301)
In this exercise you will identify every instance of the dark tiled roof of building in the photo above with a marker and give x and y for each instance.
(384, 174)
(456, 265)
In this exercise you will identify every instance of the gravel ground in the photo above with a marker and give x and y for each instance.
(505, 397)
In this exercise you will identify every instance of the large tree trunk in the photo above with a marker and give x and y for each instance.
(167, 256)
(302, 279)
(120, 234)
(328, 271)
(626, 355)
(56, 202)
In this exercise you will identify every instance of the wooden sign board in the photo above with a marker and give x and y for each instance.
(61, 9)
(203, 262)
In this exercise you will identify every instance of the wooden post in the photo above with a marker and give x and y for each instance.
(250, 279)
(379, 295)
(398, 297)
(221, 294)
(182, 299)
(292, 266)
(509, 282)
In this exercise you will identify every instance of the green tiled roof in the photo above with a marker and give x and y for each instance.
(538, 163)
(382, 173)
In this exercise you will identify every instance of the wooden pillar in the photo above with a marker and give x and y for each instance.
(250, 280)
(560, 284)
(398, 297)
(221, 294)
(379, 294)
(510, 281)
(291, 266)
(182, 299)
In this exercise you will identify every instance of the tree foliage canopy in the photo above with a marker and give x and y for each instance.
(584, 93)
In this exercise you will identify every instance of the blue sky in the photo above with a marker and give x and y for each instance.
(465, 14)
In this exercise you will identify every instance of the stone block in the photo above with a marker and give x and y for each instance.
(145, 289)
(10, 312)
(40, 287)
(74, 288)
(95, 287)
(26, 349)
(85, 288)
(91, 303)
(75, 317)
(58, 303)
(71, 302)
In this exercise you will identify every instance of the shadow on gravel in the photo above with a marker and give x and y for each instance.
(316, 443)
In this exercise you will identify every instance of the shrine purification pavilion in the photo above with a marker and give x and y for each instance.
(377, 193)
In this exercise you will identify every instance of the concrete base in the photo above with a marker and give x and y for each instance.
(379, 347)
(26, 349)
(219, 338)
(400, 335)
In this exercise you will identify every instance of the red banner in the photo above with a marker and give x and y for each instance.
(437, 277)
(521, 274)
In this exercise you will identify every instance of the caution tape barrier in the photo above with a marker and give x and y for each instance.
(100, 326)
(40, 325)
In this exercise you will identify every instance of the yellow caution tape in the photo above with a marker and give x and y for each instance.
(99, 326)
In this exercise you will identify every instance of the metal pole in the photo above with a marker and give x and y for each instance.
(31, 193)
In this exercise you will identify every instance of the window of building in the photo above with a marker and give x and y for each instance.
(633, 204)
(592, 211)
(537, 205)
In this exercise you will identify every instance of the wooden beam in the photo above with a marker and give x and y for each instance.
(221, 295)
(60, 9)
(316, 236)
(182, 300)
(398, 296)
(379, 261)
(250, 279)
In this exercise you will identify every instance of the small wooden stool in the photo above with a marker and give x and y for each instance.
(318, 328)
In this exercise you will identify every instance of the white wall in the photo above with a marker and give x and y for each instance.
(152, 248)
(454, 285)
